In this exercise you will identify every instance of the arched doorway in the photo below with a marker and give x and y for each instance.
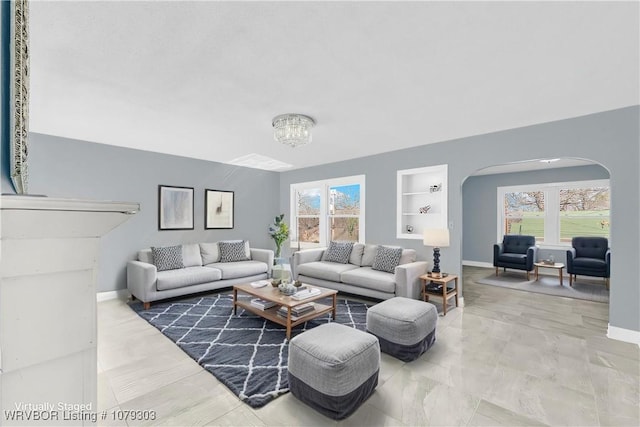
(484, 221)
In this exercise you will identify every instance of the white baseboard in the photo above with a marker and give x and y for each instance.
(477, 264)
(460, 301)
(626, 335)
(122, 294)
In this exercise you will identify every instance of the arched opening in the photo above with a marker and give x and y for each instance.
(553, 200)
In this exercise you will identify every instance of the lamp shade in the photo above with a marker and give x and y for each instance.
(436, 237)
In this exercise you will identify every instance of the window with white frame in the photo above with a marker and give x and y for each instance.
(555, 213)
(331, 209)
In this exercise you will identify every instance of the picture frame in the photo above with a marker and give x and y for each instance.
(218, 209)
(175, 208)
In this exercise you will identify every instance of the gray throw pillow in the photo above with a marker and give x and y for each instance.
(232, 251)
(387, 259)
(339, 252)
(167, 258)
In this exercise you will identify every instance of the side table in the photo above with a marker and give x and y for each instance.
(445, 292)
(558, 266)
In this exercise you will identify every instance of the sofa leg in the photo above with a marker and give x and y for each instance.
(496, 271)
(527, 276)
(606, 282)
(146, 305)
(570, 280)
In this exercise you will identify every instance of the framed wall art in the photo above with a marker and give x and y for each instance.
(218, 209)
(175, 208)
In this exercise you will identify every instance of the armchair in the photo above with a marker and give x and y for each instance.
(589, 256)
(516, 252)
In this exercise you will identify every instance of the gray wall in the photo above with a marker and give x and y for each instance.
(61, 167)
(480, 206)
(610, 138)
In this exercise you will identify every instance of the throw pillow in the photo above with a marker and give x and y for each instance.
(339, 252)
(210, 253)
(232, 251)
(167, 258)
(191, 255)
(369, 255)
(387, 259)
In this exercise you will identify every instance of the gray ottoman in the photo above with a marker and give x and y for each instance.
(405, 327)
(333, 368)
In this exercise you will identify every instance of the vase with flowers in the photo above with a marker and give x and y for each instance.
(279, 232)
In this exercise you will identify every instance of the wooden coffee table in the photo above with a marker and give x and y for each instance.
(270, 293)
(558, 266)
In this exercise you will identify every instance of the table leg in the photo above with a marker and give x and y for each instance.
(335, 300)
(424, 290)
(288, 323)
(456, 280)
(235, 299)
(444, 299)
(561, 277)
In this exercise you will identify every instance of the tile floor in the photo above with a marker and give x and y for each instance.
(507, 358)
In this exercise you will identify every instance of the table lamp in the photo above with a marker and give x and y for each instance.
(437, 238)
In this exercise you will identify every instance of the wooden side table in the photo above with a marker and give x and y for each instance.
(558, 266)
(445, 293)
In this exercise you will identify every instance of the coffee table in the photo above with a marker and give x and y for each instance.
(558, 266)
(270, 293)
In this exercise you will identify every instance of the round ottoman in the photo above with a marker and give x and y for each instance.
(405, 327)
(333, 368)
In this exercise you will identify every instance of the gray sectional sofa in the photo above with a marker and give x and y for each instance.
(357, 275)
(202, 270)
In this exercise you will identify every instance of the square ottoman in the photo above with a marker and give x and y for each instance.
(333, 368)
(405, 327)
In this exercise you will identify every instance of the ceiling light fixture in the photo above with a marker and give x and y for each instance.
(292, 129)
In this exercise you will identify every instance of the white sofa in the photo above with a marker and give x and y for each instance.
(357, 276)
(202, 271)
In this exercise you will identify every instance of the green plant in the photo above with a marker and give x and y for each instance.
(279, 232)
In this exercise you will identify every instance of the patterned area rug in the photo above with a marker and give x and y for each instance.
(245, 352)
(550, 285)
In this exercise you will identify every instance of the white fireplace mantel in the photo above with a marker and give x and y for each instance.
(48, 259)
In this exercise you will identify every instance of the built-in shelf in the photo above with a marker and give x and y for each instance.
(418, 189)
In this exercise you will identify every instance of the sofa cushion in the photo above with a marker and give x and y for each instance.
(356, 254)
(325, 270)
(387, 259)
(234, 270)
(167, 258)
(172, 279)
(191, 255)
(408, 256)
(368, 255)
(338, 252)
(590, 263)
(367, 277)
(513, 258)
(232, 251)
(145, 255)
(210, 253)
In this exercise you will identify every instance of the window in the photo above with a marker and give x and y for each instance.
(555, 213)
(524, 213)
(327, 210)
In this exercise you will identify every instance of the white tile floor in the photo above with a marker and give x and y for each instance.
(508, 358)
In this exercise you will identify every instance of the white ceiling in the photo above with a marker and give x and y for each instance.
(204, 79)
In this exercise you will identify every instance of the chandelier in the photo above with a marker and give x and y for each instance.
(292, 129)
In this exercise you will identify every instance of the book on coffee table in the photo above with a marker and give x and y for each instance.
(262, 304)
(307, 293)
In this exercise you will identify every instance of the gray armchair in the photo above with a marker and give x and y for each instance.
(589, 256)
(516, 252)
